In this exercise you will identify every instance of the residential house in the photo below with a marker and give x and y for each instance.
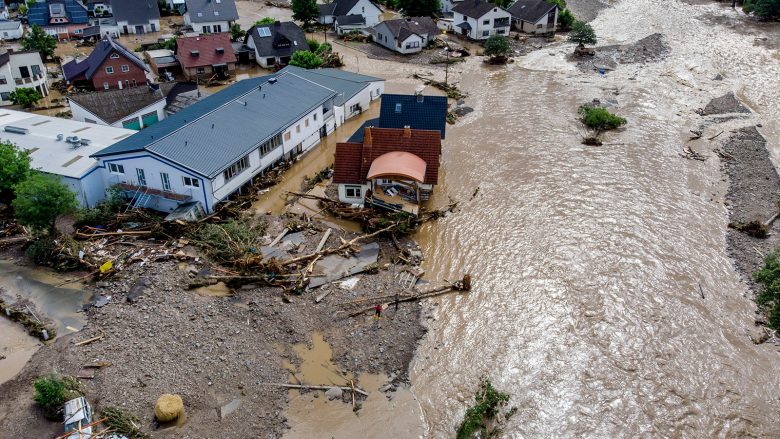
(99, 8)
(133, 108)
(206, 56)
(62, 19)
(480, 19)
(274, 44)
(534, 16)
(447, 5)
(355, 91)
(110, 65)
(11, 30)
(339, 8)
(210, 16)
(399, 165)
(417, 111)
(406, 35)
(163, 63)
(62, 147)
(208, 151)
(136, 16)
(23, 69)
(345, 24)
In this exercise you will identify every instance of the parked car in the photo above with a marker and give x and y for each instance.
(78, 416)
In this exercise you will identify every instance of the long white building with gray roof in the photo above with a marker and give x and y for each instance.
(209, 150)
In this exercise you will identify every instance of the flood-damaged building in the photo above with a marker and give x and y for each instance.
(390, 168)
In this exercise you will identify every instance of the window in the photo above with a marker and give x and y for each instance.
(397, 108)
(236, 168)
(539, 26)
(217, 28)
(166, 181)
(298, 128)
(363, 10)
(141, 177)
(116, 169)
(109, 70)
(413, 45)
(36, 70)
(315, 117)
(378, 92)
(77, 31)
(3, 80)
(287, 135)
(306, 123)
(105, 85)
(270, 145)
(5, 96)
(200, 70)
(114, 56)
(125, 68)
(264, 31)
(354, 108)
(500, 31)
(190, 182)
(89, 120)
(486, 21)
(131, 124)
(206, 29)
(352, 191)
(485, 33)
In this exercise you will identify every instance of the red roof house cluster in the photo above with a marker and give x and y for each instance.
(353, 160)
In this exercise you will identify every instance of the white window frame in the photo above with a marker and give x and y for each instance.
(110, 70)
(114, 56)
(190, 182)
(165, 179)
(116, 169)
(125, 68)
(236, 168)
(357, 191)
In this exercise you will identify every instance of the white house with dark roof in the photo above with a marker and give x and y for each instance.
(210, 16)
(63, 148)
(23, 69)
(480, 19)
(341, 8)
(406, 35)
(275, 43)
(534, 16)
(11, 30)
(136, 16)
(210, 150)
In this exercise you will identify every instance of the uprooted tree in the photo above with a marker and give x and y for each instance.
(53, 391)
(484, 418)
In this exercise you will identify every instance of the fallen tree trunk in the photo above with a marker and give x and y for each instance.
(303, 386)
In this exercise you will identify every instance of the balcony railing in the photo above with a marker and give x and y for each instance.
(30, 80)
(501, 22)
(155, 192)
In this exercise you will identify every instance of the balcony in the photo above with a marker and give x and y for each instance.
(168, 195)
(30, 80)
(501, 22)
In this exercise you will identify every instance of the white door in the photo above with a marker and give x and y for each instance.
(120, 85)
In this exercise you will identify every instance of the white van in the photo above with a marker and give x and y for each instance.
(78, 415)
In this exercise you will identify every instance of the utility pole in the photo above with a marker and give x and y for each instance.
(447, 63)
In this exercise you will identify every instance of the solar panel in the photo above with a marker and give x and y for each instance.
(264, 31)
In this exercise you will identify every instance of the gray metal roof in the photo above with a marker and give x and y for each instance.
(10, 25)
(531, 11)
(202, 11)
(346, 84)
(216, 132)
(135, 11)
(474, 8)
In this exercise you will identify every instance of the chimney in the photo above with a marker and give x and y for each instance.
(367, 137)
(407, 132)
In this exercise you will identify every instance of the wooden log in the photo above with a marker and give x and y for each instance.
(408, 299)
(324, 240)
(342, 247)
(307, 387)
(89, 340)
(98, 235)
(771, 220)
(279, 238)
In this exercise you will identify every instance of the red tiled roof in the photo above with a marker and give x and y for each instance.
(353, 160)
(207, 46)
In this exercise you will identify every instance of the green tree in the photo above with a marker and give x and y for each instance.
(420, 8)
(600, 119)
(502, 3)
(762, 8)
(480, 419)
(305, 59)
(169, 44)
(565, 19)
(305, 11)
(236, 33)
(26, 97)
(497, 46)
(768, 297)
(39, 40)
(40, 199)
(270, 20)
(14, 168)
(52, 392)
(22, 10)
(582, 33)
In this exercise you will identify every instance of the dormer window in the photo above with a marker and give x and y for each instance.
(220, 50)
(194, 53)
(114, 56)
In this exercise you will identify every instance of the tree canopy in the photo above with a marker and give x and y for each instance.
(419, 8)
(26, 97)
(497, 46)
(266, 20)
(14, 168)
(600, 119)
(306, 59)
(39, 40)
(305, 11)
(768, 297)
(40, 199)
(236, 33)
(762, 8)
(582, 33)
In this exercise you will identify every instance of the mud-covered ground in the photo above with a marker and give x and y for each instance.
(212, 349)
(652, 48)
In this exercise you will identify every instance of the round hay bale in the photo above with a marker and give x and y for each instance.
(168, 407)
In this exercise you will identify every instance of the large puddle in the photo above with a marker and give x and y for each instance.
(61, 304)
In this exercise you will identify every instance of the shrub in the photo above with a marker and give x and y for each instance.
(314, 45)
(14, 168)
(477, 421)
(600, 119)
(26, 97)
(123, 423)
(566, 19)
(52, 392)
(768, 279)
(265, 20)
(40, 199)
(105, 211)
(306, 59)
(229, 242)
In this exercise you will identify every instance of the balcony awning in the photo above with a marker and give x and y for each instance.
(398, 164)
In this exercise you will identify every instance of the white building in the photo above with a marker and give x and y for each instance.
(133, 108)
(11, 30)
(480, 19)
(342, 8)
(136, 16)
(210, 16)
(406, 35)
(355, 92)
(22, 70)
(215, 147)
(63, 148)
(534, 16)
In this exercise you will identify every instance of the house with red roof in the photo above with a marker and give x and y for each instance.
(109, 66)
(392, 168)
(206, 56)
